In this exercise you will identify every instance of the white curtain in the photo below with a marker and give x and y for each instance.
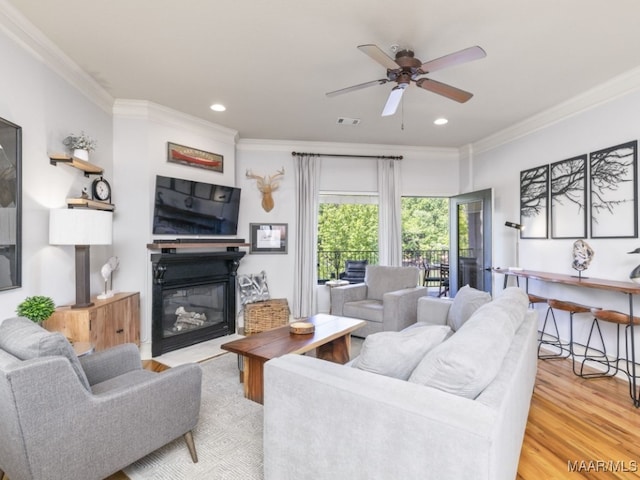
(389, 213)
(307, 174)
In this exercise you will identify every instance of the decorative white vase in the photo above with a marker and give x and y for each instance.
(81, 154)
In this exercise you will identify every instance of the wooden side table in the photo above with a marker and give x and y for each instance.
(107, 323)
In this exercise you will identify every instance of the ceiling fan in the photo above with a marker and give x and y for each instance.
(405, 68)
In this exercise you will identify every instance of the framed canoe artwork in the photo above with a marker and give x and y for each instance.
(194, 157)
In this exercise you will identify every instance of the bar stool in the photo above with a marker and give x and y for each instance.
(555, 340)
(533, 299)
(619, 319)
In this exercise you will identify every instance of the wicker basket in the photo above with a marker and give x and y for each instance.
(261, 316)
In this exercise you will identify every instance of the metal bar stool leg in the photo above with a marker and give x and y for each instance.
(571, 308)
(597, 355)
(554, 341)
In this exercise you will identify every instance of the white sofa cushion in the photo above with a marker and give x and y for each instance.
(471, 358)
(465, 303)
(396, 354)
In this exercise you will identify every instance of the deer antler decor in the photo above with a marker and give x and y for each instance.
(267, 184)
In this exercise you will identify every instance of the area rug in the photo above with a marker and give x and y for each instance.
(228, 437)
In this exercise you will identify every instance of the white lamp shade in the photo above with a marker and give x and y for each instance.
(75, 226)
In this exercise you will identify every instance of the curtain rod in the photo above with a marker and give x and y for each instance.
(383, 157)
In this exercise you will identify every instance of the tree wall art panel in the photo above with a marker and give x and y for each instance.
(613, 177)
(569, 198)
(534, 202)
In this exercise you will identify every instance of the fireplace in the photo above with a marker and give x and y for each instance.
(193, 298)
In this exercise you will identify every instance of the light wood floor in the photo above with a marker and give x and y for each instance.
(571, 420)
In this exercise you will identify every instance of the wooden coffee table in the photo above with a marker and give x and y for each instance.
(331, 341)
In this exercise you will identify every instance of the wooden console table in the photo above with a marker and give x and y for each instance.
(628, 288)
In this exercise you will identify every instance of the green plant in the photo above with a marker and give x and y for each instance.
(82, 142)
(36, 308)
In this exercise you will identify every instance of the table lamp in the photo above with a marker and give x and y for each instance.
(81, 228)
(518, 227)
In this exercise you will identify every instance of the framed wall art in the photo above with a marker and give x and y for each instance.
(10, 205)
(268, 237)
(194, 157)
(613, 178)
(534, 202)
(569, 198)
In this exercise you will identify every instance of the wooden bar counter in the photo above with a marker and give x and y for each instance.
(628, 288)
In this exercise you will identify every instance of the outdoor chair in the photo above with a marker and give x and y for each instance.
(354, 271)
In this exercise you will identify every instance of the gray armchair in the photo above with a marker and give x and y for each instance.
(62, 417)
(387, 300)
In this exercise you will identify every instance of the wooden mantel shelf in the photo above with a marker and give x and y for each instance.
(166, 246)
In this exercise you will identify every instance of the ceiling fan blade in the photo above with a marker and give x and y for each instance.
(357, 87)
(445, 90)
(394, 99)
(466, 55)
(379, 56)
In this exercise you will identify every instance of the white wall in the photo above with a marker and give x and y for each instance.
(141, 133)
(425, 172)
(48, 108)
(607, 125)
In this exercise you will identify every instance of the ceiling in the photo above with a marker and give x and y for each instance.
(271, 62)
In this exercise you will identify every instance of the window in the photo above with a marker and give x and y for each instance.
(348, 230)
(425, 230)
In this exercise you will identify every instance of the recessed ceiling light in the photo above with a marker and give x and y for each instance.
(441, 121)
(218, 107)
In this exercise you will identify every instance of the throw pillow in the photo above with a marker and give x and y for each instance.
(253, 288)
(24, 339)
(468, 361)
(464, 304)
(396, 354)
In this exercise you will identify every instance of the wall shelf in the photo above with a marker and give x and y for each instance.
(88, 203)
(83, 165)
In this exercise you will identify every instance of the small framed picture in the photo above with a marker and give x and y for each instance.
(268, 237)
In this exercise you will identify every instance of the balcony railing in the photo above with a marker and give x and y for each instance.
(331, 263)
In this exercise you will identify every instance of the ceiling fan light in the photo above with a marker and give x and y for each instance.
(218, 107)
(441, 121)
(394, 99)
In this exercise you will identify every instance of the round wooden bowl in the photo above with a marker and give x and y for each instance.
(301, 328)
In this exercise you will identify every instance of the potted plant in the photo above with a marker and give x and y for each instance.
(80, 145)
(37, 308)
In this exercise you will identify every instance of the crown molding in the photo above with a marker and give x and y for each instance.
(32, 40)
(248, 145)
(153, 112)
(617, 87)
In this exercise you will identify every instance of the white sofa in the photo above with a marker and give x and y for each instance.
(328, 421)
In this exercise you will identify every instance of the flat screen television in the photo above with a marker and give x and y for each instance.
(186, 207)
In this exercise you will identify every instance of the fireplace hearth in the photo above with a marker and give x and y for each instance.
(193, 298)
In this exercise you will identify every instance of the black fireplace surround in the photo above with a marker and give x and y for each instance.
(193, 298)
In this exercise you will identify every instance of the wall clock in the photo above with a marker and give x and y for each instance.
(101, 190)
